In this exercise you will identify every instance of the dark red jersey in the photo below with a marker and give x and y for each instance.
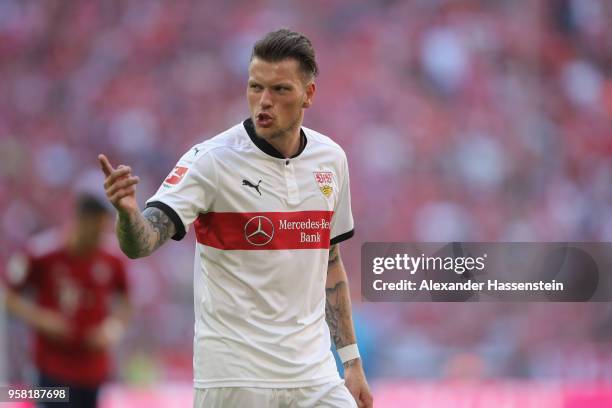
(80, 288)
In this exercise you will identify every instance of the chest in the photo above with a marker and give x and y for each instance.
(264, 185)
(61, 274)
(75, 284)
(271, 205)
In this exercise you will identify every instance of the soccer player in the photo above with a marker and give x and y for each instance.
(74, 280)
(269, 201)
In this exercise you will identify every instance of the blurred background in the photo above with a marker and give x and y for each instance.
(475, 120)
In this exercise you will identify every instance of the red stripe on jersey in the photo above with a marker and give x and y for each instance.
(264, 230)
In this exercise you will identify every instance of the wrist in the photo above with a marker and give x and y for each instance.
(354, 363)
(348, 354)
(127, 215)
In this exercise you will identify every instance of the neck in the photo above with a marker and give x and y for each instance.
(78, 245)
(282, 145)
(287, 144)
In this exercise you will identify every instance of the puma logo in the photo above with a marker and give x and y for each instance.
(249, 184)
(195, 151)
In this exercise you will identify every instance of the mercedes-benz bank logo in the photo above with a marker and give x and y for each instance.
(259, 230)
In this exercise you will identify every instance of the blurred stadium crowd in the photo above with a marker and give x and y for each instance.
(462, 119)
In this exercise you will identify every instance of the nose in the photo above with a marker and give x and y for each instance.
(266, 99)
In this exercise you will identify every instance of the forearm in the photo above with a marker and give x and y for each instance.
(22, 308)
(338, 312)
(140, 234)
(135, 234)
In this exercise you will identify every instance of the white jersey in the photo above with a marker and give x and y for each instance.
(264, 225)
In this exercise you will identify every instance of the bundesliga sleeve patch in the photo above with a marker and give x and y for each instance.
(176, 175)
(324, 180)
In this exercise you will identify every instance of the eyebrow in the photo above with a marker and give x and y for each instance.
(283, 84)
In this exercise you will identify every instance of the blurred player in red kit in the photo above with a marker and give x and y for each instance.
(76, 322)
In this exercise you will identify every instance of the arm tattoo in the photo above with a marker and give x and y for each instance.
(161, 224)
(338, 306)
(336, 314)
(334, 256)
(350, 363)
(141, 235)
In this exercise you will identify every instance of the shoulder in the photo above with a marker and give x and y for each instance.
(231, 139)
(112, 258)
(46, 244)
(326, 150)
(39, 251)
(324, 143)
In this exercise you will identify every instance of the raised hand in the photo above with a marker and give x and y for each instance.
(120, 185)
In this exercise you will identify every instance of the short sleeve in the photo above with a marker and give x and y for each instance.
(342, 226)
(20, 271)
(188, 190)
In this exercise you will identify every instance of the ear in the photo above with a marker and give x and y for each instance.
(310, 91)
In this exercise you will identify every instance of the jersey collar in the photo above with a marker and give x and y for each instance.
(266, 147)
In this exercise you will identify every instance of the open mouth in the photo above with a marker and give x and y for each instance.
(264, 120)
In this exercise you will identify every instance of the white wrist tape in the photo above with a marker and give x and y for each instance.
(348, 353)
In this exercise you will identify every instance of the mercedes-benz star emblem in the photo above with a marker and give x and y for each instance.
(259, 230)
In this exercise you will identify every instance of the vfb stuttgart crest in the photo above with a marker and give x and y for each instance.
(324, 180)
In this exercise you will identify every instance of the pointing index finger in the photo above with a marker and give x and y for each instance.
(105, 165)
